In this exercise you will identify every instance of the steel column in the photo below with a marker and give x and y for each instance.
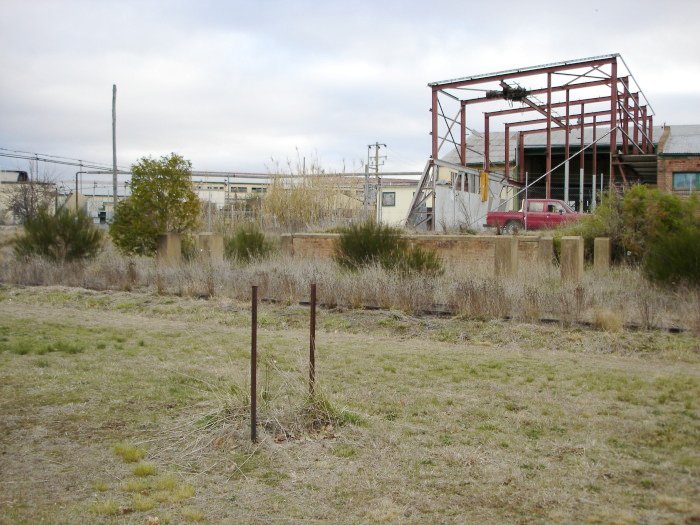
(434, 133)
(635, 97)
(594, 166)
(486, 142)
(613, 117)
(582, 155)
(625, 117)
(463, 133)
(548, 168)
(507, 152)
(566, 150)
(521, 155)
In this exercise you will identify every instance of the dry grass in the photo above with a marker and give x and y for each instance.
(422, 420)
(473, 293)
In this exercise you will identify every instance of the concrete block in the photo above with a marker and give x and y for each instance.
(506, 256)
(572, 259)
(287, 244)
(211, 246)
(601, 254)
(168, 249)
(545, 250)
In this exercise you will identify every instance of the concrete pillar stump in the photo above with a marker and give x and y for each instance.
(168, 249)
(601, 254)
(506, 256)
(287, 244)
(572, 259)
(545, 250)
(211, 246)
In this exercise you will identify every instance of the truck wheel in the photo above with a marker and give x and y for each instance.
(512, 227)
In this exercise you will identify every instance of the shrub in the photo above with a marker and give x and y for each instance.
(675, 258)
(63, 236)
(370, 243)
(247, 243)
(633, 221)
(188, 246)
(418, 260)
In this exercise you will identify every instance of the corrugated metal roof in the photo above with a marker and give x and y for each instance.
(683, 140)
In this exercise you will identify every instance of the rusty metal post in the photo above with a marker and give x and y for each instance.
(651, 133)
(594, 167)
(567, 152)
(548, 168)
(635, 97)
(312, 341)
(521, 153)
(625, 114)
(582, 164)
(254, 366)
(507, 153)
(613, 119)
(486, 142)
(434, 132)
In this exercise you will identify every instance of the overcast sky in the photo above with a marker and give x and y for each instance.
(231, 85)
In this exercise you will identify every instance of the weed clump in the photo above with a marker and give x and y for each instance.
(607, 320)
(144, 469)
(62, 236)
(247, 243)
(369, 243)
(319, 414)
(129, 453)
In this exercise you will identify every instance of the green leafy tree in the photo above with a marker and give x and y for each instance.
(63, 236)
(161, 201)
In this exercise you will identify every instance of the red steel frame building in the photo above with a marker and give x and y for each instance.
(590, 92)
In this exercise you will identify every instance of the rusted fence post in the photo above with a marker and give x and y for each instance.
(312, 341)
(254, 366)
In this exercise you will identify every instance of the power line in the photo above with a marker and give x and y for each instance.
(45, 157)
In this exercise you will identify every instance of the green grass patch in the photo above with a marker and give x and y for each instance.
(129, 453)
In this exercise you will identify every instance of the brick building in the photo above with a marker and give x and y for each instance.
(679, 160)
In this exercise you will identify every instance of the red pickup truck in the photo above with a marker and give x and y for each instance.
(540, 214)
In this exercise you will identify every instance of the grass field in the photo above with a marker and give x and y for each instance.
(124, 407)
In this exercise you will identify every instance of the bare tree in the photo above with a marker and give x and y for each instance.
(27, 198)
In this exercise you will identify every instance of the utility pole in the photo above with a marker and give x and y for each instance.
(374, 161)
(114, 146)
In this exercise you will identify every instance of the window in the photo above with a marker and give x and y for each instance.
(555, 207)
(536, 206)
(686, 181)
(239, 189)
(259, 190)
(388, 198)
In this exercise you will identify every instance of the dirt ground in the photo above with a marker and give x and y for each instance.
(121, 407)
